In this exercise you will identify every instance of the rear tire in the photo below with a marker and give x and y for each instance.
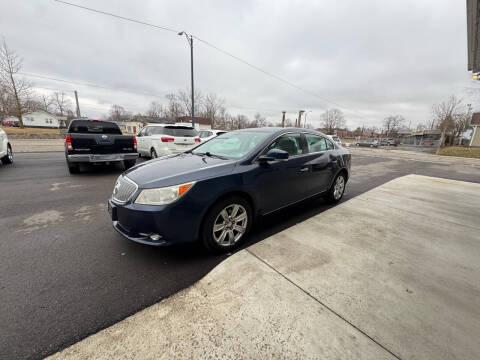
(129, 163)
(73, 168)
(226, 224)
(336, 191)
(8, 159)
(153, 154)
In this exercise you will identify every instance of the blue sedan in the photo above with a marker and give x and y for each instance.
(214, 192)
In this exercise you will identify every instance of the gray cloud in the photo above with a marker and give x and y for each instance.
(374, 58)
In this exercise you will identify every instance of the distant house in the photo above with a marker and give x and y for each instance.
(421, 137)
(41, 119)
(475, 123)
(201, 123)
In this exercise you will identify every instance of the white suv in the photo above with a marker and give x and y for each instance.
(206, 135)
(6, 153)
(163, 139)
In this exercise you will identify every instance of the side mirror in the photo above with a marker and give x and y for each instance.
(139, 135)
(273, 155)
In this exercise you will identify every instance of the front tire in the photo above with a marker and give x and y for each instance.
(335, 193)
(8, 159)
(226, 224)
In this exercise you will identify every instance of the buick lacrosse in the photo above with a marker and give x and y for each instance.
(214, 192)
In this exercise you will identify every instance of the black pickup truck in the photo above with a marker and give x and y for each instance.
(96, 141)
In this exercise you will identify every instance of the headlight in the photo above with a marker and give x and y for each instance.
(162, 196)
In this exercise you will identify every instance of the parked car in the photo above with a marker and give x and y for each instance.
(6, 153)
(336, 139)
(95, 141)
(215, 191)
(388, 142)
(10, 122)
(367, 142)
(162, 139)
(206, 135)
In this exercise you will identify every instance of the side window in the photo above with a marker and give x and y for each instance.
(290, 143)
(143, 132)
(315, 143)
(330, 145)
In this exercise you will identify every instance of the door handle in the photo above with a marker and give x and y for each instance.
(304, 169)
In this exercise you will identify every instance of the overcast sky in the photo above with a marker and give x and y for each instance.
(369, 58)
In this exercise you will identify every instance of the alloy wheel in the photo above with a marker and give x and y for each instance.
(10, 154)
(230, 225)
(339, 187)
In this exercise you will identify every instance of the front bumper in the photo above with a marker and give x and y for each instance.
(101, 157)
(171, 225)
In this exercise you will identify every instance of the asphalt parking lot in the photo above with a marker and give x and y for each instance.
(65, 273)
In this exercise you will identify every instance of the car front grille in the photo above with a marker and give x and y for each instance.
(124, 189)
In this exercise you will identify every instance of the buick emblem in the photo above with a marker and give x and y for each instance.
(104, 137)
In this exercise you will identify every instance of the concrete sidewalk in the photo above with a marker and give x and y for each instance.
(395, 153)
(390, 274)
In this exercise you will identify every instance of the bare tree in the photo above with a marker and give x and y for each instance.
(61, 103)
(174, 107)
(19, 89)
(213, 107)
(451, 117)
(258, 121)
(117, 113)
(332, 119)
(48, 104)
(156, 110)
(185, 98)
(392, 124)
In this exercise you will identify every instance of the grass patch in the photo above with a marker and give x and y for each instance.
(460, 151)
(31, 133)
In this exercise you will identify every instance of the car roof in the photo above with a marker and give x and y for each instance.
(281, 130)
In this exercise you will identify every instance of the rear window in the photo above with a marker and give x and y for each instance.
(94, 127)
(180, 131)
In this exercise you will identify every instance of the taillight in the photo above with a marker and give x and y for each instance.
(68, 141)
(134, 143)
(167, 139)
(197, 140)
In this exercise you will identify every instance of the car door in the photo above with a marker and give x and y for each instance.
(281, 183)
(141, 148)
(3, 143)
(321, 161)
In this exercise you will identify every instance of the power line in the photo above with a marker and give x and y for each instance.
(276, 77)
(119, 17)
(89, 84)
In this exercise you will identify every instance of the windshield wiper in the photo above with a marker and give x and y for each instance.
(209, 154)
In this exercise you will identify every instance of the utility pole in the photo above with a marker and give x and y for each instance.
(299, 120)
(78, 106)
(190, 42)
(283, 118)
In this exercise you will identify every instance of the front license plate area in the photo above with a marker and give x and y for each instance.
(112, 210)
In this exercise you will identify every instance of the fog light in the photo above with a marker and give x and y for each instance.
(155, 237)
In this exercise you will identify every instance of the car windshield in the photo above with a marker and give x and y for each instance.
(94, 127)
(184, 131)
(232, 145)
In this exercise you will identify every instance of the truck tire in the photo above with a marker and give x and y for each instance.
(73, 168)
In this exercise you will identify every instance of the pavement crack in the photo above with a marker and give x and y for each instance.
(325, 306)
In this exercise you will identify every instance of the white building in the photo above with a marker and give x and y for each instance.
(41, 119)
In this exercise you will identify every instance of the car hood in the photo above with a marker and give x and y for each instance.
(178, 169)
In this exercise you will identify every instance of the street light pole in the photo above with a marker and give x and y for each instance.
(190, 42)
